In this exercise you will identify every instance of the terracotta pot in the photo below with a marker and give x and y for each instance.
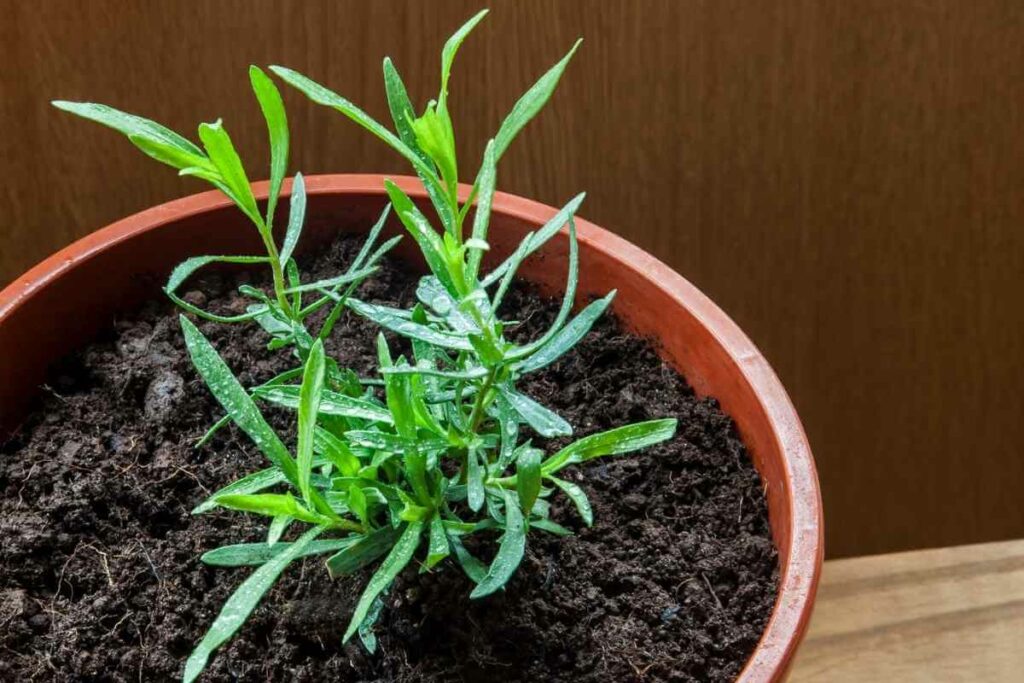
(63, 302)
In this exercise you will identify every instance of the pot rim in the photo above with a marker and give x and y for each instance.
(801, 572)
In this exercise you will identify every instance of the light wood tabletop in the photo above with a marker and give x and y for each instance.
(950, 614)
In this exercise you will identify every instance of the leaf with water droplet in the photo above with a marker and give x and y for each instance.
(567, 337)
(392, 565)
(255, 554)
(241, 603)
(309, 405)
(398, 321)
(528, 478)
(578, 497)
(510, 552)
(543, 420)
(331, 403)
(361, 553)
(438, 546)
(236, 400)
(257, 481)
(612, 442)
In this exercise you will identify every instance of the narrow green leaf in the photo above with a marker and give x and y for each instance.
(451, 47)
(337, 452)
(541, 508)
(241, 603)
(508, 424)
(430, 243)
(550, 527)
(487, 348)
(438, 547)
(395, 320)
(236, 400)
(433, 294)
(278, 526)
(455, 528)
(392, 566)
(411, 512)
(375, 491)
(255, 554)
(474, 481)
(474, 568)
(172, 155)
(186, 268)
(397, 393)
(357, 504)
(486, 180)
(223, 155)
(291, 269)
(436, 137)
(612, 442)
(277, 127)
(544, 421)
(364, 261)
(269, 505)
(402, 111)
(362, 552)
(578, 498)
(464, 375)
(366, 628)
(128, 124)
(285, 376)
(528, 478)
(339, 500)
(567, 337)
(296, 218)
(530, 103)
(309, 407)
(239, 405)
(393, 443)
(327, 283)
(364, 257)
(257, 481)
(328, 98)
(416, 472)
(331, 403)
(510, 551)
(517, 257)
(567, 299)
(539, 238)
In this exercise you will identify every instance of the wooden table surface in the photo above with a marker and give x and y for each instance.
(951, 614)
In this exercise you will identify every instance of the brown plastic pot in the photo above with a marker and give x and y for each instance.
(62, 303)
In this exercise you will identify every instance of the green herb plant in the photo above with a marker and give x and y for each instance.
(433, 451)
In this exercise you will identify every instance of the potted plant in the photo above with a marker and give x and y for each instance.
(427, 472)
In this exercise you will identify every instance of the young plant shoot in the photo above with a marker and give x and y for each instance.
(401, 469)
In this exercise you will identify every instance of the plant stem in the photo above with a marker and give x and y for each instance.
(479, 404)
(275, 268)
(348, 525)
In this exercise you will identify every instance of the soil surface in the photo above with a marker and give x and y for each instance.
(100, 578)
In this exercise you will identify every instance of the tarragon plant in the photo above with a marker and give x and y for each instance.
(435, 449)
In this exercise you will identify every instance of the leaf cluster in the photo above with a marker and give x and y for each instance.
(440, 446)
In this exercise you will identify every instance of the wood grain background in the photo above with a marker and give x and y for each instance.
(843, 177)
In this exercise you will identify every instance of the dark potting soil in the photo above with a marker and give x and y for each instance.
(100, 578)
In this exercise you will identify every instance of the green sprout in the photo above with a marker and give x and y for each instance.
(434, 450)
